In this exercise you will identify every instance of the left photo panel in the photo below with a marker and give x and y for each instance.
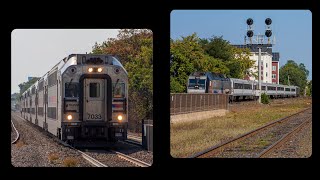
(81, 97)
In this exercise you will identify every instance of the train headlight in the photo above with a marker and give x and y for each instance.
(90, 69)
(119, 117)
(99, 69)
(69, 117)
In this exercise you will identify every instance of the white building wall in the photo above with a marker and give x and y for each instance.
(266, 60)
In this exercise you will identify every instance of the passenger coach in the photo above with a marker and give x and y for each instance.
(84, 96)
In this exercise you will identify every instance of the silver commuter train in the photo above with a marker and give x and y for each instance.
(207, 82)
(84, 96)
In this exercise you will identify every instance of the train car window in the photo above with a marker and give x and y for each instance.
(287, 89)
(94, 90)
(52, 79)
(198, 82)
(71, 89)
(247, 86)
(40, 86)
(119, 90)
(263, 87)
(292, 90)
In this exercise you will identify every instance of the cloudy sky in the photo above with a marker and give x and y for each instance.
(35, 51)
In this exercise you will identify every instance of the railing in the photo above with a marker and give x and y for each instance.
(188, 102)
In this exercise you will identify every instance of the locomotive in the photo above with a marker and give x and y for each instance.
(82, 97)
(207, 82)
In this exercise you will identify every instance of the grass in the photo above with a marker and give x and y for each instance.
(188, 138)
(70, 162)
(52, 157)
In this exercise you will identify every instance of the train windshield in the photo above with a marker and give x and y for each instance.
(72, 89)
(197, 83)
(118, 90)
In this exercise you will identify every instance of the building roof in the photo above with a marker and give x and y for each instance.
(254, 47)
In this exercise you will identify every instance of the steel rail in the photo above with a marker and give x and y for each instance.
(224, 144)
(18, 135)
(284, 139)
(131, 159)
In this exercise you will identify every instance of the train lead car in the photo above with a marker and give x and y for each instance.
(207, 82)
(83, 97)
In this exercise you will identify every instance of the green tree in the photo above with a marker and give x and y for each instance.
(25, 85)
(134, 48)
(188, 56)
(293, 74)
(236, 60)
(309, 88)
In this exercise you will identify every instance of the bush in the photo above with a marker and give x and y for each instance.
(70, 162)
(52, 157)
(264, 98)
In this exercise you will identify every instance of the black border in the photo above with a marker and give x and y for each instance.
(156, 17)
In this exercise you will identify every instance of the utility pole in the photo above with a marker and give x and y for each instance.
(288, 80)
(259, 73)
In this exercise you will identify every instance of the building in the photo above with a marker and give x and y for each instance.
(266, 61)
(275, 67)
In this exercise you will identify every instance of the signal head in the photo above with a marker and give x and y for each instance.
(250, 33)
(268, 21)
(268, 33)
(249, 21)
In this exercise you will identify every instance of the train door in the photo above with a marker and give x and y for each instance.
(94, 100)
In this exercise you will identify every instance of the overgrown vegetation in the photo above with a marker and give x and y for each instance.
(134, 48)
(264, 98)
(188, 138)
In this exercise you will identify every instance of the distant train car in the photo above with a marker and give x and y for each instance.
(237, 88)
(84, 96)
(207, 82)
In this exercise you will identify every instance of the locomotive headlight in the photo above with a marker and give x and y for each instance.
(69, 117)
(119, 117)
(99, 69)
(90, 69)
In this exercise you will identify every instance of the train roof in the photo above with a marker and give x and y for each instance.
(210, 75)
(76, 59)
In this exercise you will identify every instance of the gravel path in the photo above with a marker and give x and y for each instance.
(252, 146)
(37, 149)
(297, 146)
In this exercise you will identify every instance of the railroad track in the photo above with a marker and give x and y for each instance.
(131, 159)
(220, 147)
(98, 163)
(283, 140)
(17, 133)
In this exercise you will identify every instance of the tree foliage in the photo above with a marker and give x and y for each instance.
(309, 88)
(25, 85)
(192, 53)
(134, 49)
(293, 74)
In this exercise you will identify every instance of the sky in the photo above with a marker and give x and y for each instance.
(292, 29)
(35, 51)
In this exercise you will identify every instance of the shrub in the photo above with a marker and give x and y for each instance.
(52, 157)
(264, 98)
(69, 162)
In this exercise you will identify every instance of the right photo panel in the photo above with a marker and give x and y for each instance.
(241, 83)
